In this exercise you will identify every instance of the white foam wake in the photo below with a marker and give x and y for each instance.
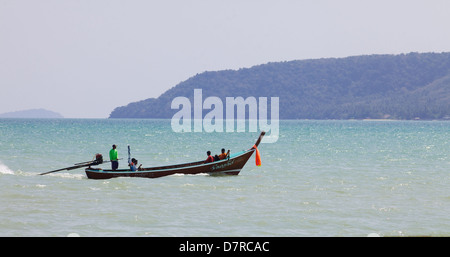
(5, 170)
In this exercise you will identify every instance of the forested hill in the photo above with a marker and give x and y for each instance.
(406, 86)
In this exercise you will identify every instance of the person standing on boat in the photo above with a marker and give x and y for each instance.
(113, 157)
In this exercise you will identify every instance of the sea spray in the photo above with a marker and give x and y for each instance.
(5, 170)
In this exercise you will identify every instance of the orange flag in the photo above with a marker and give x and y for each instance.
(258, 157)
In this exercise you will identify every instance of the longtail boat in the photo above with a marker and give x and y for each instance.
(230, 166)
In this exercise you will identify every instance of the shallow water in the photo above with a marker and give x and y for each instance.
(321, 178)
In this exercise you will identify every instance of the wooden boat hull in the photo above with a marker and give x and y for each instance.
(230, 166)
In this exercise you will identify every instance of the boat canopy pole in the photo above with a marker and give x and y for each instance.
(129, 155)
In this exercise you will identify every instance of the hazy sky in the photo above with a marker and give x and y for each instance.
(83, 58)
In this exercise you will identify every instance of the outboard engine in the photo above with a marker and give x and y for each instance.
(98, 159)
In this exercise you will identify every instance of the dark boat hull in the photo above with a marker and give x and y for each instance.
(230, 166)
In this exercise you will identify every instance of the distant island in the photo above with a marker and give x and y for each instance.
(406, 86)
(32, 113)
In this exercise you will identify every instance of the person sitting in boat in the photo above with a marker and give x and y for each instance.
(223, 155)
(210, 158)
(133, 165)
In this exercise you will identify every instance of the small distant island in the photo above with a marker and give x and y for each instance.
(403, 87)
(32, 113)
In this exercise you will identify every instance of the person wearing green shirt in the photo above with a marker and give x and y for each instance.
(113, 158)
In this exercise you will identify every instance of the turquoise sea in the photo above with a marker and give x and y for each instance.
(321, 178)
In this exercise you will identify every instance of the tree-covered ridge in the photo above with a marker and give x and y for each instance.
(406, 86)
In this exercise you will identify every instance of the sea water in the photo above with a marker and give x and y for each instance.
(321, 178)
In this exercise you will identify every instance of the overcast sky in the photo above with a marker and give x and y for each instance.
(83, 58)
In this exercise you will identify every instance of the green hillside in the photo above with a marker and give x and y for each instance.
(406, 86)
